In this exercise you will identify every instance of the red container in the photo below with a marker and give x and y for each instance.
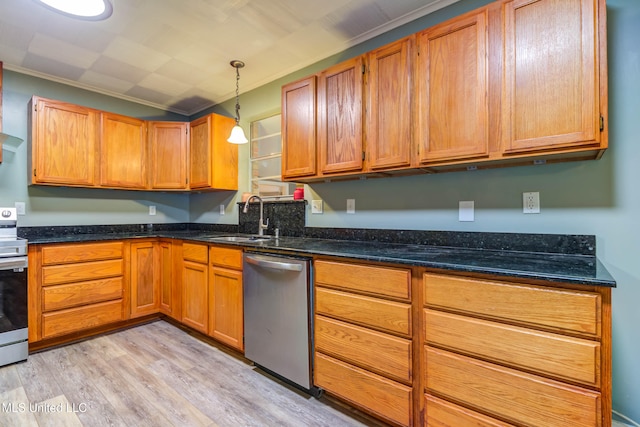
(298, 194)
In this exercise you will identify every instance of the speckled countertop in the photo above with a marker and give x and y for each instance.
(501, 254)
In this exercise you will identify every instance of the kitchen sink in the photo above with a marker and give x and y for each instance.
(240, 239)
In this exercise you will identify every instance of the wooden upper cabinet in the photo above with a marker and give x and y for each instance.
(213, 160)
(452, 88)
(63, 143)
(299, 129)
(168, 147)
(123, 152)
(340, 117)
(389, 105)
(551, 89)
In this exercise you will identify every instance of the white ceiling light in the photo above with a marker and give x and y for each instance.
(83, 9)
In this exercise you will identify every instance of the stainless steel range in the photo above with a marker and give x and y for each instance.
(14, 346)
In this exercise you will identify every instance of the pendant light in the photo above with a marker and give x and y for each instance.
(237, 134)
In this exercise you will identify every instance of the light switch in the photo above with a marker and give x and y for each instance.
(222, 209)
(465, 213)
(351, 206)
(316, 206)
(152, 210)
(20, 208)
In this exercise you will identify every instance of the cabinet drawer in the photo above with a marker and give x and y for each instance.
(386, 398)
(555, 309)
(75, 319)
(75, 294)
(559, 356)
(379, 352)
(377, 313)
(387, 281)
(195, 252)
(56, 274)
(518, 397)
(63, 254)
(226, 257)
(439, 412)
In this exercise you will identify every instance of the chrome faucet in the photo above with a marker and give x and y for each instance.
(261, 224)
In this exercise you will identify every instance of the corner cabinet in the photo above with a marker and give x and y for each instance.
(169, 153)
(63, 143)
(213, 161)
(554, 96)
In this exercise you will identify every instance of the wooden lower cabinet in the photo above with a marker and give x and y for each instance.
(501, 353)
(75, 287)
(363, 337)
(145, 298)
(226, 314)
(195, 286)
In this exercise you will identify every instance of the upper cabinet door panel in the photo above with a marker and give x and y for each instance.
(551, 86)
(340, 109)
(452, 87)
(389, 105)
(200, 153)
(168, 144)
(123, 152)
(299, 128)
(63, 143)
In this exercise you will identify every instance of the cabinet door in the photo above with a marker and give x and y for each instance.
(166, 278)
(144, 279)
(226, 317)
(452, 87)
(168, 145)
(213, 161)
(123, 152)
(551, 85)
(299, 128)
(63, 143)
(194, 295)
(389, 106)
(340, 117)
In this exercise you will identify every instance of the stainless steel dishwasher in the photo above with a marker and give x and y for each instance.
(277, 320)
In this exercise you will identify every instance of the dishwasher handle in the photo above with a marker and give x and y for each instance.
(266, 262)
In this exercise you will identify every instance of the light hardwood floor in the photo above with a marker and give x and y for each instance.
(154, 375)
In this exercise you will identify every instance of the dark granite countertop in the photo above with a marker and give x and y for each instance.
(577, 268)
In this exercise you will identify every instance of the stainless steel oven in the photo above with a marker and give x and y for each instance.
(14, 346)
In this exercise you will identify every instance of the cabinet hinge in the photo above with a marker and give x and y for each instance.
(364, 68)
(601, 123)
(34, 172)
(364, 155)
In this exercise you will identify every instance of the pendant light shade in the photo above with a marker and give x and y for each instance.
(237, 134)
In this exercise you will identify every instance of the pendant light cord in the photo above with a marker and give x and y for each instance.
(237, 95)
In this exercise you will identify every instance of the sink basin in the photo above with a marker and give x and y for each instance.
(240, 238)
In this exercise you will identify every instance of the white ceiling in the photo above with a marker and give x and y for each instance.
(174, 54)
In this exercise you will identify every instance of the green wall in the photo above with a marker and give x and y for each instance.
(593, 197)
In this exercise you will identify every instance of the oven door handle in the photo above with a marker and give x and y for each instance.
(275, 265)
(13, 263)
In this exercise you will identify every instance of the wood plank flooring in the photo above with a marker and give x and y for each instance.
(155, 375)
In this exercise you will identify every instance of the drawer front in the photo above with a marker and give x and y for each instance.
(383, 397)
(195, 252)
(439, 412)
(56, 274)
(63, 254)
(75, 294)
(376, 351)
(518, 397)
(386, 281)
(75, 319)
(377, 313)
(555, 309)
(559, 356)
(226, 257)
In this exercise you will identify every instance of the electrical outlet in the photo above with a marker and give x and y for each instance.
(152, 210)
(531, 202)
(20, 208)
(316, 206)
(351, 206)
(466, 211)
(221, 209)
